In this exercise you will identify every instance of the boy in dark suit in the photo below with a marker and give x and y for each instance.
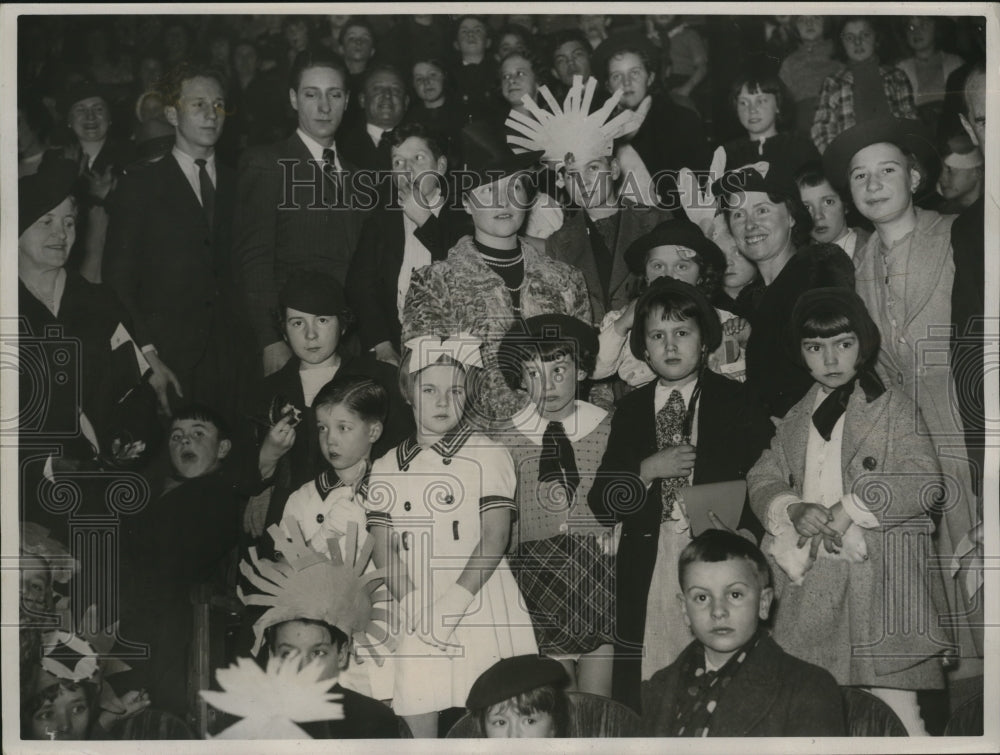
(734, 680)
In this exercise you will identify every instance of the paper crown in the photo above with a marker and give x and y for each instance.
(310, 585)
(570, 130)
(271, 702)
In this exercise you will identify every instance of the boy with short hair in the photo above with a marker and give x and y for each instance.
(733, 680)
(178, 541)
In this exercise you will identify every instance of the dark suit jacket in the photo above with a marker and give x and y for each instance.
(170, 270)
(374, 273)
(733, 430)
(571, 244)
(773, 695)
(282, 226)
(357, 146)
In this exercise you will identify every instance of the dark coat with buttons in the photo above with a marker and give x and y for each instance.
(774, 694)
(732, 432)
(892, 600)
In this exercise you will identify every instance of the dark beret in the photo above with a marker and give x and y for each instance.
(511, 677)
(44, 191)
(314, 293)
(548, 328)
(676, 232)
(774, 180)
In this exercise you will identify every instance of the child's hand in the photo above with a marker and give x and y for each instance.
(627, 319)
(811, 519)
(278, 440)
(414, 203)
(738, 327)
(676, 461)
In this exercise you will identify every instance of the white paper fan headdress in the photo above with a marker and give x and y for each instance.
(570, 130)
(310, 585)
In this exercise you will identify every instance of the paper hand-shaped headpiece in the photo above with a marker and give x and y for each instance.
(463, 348)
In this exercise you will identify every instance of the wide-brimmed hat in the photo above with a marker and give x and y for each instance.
(488, 158)
(907, 134)
(619, 42)
(675, 232)
(45, 190)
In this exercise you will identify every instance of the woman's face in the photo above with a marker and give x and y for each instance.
(90, 118)
(758, 112)
(810, 28)
(517, 78)
(46, 244)
(428, 82)
(762, 228)
(858, 38)
(66, 717)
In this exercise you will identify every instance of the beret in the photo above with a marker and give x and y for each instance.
(547, 328)
(907, 134)
(314, 293)
(44, 191)
(676, 232)
(511, 677)
(771, 178)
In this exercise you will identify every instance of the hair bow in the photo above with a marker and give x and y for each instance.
(427, 350)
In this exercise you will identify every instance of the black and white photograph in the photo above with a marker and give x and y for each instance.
(435, 371)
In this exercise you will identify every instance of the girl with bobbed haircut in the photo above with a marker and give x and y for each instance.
(829, 312)
(679, 301)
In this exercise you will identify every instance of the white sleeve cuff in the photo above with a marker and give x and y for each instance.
(859, 514)
(777, 513)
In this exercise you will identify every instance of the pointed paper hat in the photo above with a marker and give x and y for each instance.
(570, 129)
(310, 585)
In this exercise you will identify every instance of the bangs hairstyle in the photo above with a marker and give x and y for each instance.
(407, 379)
(203, 413)
(811, 175)
(715, 546)
(513, 359)
(362, 395)
(545, 699)
(757, 83)
(676, 306)
(829, 312)
(32, 704)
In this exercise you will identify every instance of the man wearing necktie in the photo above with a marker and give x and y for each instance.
(298, 207)
(167, 255)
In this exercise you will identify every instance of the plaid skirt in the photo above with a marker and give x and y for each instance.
(568, 586)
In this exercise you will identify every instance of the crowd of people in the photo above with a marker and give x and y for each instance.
(506, 366)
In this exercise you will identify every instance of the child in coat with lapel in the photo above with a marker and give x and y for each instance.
(690, 426)
(846, 493)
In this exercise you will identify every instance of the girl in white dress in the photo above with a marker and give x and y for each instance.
(441, 506)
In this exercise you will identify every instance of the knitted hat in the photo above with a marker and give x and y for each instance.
(511, 677)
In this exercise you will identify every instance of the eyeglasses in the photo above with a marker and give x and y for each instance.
(854, 39)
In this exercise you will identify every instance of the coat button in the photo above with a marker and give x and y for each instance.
(319, 519)
(869, 463)
(407, 506)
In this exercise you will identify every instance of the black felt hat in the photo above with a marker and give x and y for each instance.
(524, 335)
(907, 134)
(511, 677)
(45, 190)
(488, 158)
(314, 293)
(82, 90)
(675, 232)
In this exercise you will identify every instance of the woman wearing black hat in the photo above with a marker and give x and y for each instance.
(77, 357)
(494, 276)
(770, 225)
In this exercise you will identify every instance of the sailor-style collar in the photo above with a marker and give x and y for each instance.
(578, 425)
(328, 481)
(447, 447)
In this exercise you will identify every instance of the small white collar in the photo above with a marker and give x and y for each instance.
(578, 425)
